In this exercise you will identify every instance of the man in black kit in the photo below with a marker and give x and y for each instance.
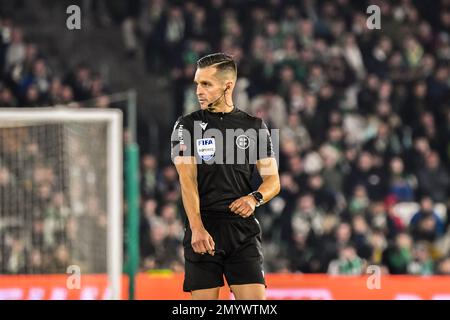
(215, 151)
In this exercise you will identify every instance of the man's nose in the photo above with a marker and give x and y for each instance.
(199, 91)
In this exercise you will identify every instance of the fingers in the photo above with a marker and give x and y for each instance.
(237, 206)
(211, 246)
(212, 243)
(208, 246)
(243, 209)
(199, 247)
(204, 245)
(246, 213)
(234, 205)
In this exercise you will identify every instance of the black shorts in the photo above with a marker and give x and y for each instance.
(238, 254)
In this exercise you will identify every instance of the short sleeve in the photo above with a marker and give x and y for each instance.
(181, 138)
(265, 145)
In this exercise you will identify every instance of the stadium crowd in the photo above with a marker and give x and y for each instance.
(39, 232)
(364, 119)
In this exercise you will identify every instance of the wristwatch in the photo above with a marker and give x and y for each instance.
(258, 197)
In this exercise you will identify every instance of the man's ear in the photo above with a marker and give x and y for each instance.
(228, 85)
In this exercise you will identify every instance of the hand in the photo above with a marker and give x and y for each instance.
(244, 206)
(202, 242)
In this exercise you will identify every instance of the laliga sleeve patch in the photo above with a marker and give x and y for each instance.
(206, 148)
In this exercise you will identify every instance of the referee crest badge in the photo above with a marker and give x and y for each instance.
(242, 142)
(206, 148)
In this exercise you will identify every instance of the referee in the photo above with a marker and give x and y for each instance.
(216, 150)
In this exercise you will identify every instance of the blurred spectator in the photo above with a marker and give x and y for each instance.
(323, 196)
(302, 255)
(271, 108)
(80, 82)
(382, 217)
(422, 264)
(15, 53)
(369, 176)
(167, 187)
(361, 236)
(172, 30)
(39, 77)
(7, 100)
(443, 267)
(55, 92)
(378, 244)
(398, 256)
(353, 55)
(434, 179)
(60, 261)
(332, 172)
(359, 202)
(426, 224)
(36, 263)
(16, 261)
(348, 263)
(148, 176)
(307, 218)
(401, 184)
(159, 253)
(385, 144)
(367, 96)
(329, 247)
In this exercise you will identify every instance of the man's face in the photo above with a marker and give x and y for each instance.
(427, 204)
(432, 160)
(343, 232)
(209, 86)
(348, 253)
(365, 161)
(403, 241)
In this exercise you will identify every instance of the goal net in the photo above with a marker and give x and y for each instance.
(61, 203)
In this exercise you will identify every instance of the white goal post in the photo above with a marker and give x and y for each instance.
(112, 119)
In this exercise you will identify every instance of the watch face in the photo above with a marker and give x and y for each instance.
(258, 196)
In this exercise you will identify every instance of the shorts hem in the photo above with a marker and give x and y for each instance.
(247, 282)
(220, 285)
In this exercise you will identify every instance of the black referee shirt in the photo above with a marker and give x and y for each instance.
(226, 147)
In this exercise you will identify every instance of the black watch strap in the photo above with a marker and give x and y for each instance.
(258, 197)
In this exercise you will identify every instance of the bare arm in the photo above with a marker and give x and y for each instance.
(268, 170)
(269, 188)
(201, 241)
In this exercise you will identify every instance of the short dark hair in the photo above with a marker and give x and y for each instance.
(221, 61)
